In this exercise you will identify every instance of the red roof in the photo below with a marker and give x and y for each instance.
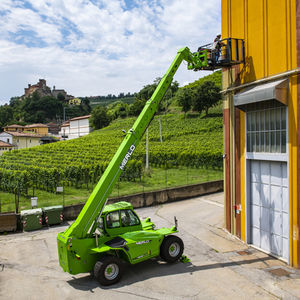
(39, 125)
(14, 126)
(25, 134)
(3, 144)
(80, 118)
(66, 124)
(52, 124)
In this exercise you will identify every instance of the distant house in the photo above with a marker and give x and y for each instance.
(53, 128)
(20, 140)
(5, 147)
(32, 128)
(76, 127)
(55, 92)
(36, 128)
(14, 128)
(75, 101)
(65, 130)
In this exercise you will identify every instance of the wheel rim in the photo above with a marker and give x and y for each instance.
(174, 249)
(111, 271)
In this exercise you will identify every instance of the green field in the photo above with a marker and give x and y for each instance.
(155, 180)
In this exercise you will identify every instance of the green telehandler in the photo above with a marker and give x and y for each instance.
(103, 237)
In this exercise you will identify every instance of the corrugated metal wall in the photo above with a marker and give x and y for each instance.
(271, 32)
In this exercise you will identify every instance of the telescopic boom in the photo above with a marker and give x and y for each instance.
(101, 192)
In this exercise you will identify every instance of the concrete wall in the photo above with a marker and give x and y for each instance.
(6, 137)
(26, 142)
(156, 197)
(79, 128)
(64, 131)
(12, 222)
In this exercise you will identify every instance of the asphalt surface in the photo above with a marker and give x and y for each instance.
(221, 267)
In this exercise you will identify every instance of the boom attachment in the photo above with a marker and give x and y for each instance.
(226, 53)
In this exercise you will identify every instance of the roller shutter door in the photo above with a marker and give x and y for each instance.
(269, 218)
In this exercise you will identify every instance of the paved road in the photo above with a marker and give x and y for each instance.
(221, 266)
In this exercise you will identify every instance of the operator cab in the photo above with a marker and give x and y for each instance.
(118, 218)
(226, 53)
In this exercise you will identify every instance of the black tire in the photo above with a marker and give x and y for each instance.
(171, 248)
(108, 270)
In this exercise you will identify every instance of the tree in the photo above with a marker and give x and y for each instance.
(174, 87)
(117, 109)
(99, 117)
(136, 107)
(61, 97)
(207, 95)
(140, 99)
(6, 115)
(37, 109)
(85, 104)
(145, 94)
(185, 98)
(14, 101)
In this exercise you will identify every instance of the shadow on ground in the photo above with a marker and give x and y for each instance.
(154, 268)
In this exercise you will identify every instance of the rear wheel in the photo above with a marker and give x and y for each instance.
(171, 248)
(108, 270)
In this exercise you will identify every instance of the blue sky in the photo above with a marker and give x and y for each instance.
(97, 47)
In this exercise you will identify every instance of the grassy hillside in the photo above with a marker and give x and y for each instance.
(215, 77)
(104, 102)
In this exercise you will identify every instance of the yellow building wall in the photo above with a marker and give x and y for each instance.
(10, 129)
(43, 131)
(268, 28)
(26, 142)
(38, 130)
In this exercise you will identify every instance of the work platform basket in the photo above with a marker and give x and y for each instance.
(228, 52)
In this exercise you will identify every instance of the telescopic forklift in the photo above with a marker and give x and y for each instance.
(103, 237)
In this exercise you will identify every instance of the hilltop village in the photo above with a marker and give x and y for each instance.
(59, 126)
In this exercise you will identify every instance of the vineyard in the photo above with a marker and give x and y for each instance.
(193, 142)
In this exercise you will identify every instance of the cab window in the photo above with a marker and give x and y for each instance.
(113, 220)
(128, 218)
(100, 223)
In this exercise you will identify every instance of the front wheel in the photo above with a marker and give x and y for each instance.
(108, 270)
(171, 248)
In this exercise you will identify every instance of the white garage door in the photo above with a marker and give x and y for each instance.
(269, 220)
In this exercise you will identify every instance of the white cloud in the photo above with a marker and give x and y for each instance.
(97, 47)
